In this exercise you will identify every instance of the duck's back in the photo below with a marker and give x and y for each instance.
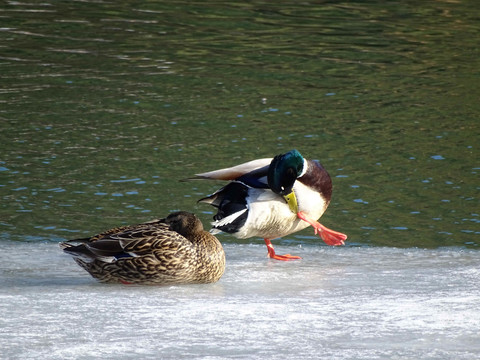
(156, 257)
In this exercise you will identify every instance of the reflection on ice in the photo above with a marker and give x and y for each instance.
(342, 303)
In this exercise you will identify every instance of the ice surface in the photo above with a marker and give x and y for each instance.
(336, 303)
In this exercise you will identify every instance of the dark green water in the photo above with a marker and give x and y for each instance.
(105, 106)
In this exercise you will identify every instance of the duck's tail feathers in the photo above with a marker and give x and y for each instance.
(214, 199)
(72, 242)
(83, 251)
(76, 250)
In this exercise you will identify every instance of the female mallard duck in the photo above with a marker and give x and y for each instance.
(174, 250)
(271, 198)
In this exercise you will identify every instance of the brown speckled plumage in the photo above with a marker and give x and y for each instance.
(174, 250)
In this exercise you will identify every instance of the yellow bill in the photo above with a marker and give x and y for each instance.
(291, 200)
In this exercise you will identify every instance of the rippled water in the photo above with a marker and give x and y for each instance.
(105, 106)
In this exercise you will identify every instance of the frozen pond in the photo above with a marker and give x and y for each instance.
(339, 303)
(106, 105)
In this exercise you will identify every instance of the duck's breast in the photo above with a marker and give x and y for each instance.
(309, 201)
(268, 216)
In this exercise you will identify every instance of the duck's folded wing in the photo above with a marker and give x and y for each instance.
(105, 247)
(138, 242)
(237, 171)
(132, 241)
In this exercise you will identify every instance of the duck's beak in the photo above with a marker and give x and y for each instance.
(291, 200)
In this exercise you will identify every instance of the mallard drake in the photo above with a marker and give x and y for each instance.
(271, 198)
(174, 250)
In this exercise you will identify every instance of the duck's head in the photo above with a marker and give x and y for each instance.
(184, 223)
(282, 173)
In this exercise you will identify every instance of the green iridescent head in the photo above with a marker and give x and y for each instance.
(282, 173)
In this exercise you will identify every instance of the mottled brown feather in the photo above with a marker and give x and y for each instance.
(174, 250)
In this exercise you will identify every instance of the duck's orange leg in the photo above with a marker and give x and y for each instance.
(272, 255)
(330, 237)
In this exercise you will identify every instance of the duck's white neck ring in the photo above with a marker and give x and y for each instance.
(304, 170)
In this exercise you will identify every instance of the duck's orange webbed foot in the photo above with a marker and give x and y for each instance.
(272, 255)
(331, 237)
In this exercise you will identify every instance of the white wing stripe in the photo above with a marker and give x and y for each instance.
(229, 219)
